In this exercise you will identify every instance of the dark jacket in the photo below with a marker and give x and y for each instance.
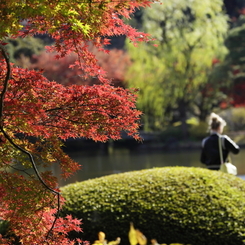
(210, 150)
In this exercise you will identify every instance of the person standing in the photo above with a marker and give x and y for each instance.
(210, 155)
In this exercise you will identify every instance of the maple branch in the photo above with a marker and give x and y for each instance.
(5, 82)
(38, 175)
(87, 110)
(66, 107)
(2, 96)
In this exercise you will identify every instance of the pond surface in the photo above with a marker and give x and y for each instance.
(97, 164)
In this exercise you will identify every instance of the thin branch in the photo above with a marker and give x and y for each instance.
(5, 82)
(21, 170)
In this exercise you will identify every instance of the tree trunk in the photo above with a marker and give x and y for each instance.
(182, 108)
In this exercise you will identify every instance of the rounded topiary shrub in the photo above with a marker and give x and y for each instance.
(171, 204)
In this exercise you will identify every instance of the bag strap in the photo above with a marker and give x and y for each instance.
(220, 151)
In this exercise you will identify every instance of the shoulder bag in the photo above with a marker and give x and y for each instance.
(226, 167)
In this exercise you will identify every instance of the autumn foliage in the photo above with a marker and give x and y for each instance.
(36, 114)
(113, 63)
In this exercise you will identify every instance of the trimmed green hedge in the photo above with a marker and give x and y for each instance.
(171, 204)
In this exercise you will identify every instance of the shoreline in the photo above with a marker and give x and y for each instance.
(150, 142)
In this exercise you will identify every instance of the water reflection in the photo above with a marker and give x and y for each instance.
(98, 164)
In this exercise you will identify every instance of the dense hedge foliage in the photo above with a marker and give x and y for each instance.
(171, 204)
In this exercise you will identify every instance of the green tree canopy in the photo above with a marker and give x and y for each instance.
(188, 35)
(234, 62)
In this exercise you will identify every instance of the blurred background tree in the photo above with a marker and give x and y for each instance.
(114, 63)
(29, 53)
(234, 62)
(21, 50)
(175, 77)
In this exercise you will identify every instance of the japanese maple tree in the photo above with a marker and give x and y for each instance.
(37, 114)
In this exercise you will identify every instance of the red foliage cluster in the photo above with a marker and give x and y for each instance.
(51, 112)
(238, 94)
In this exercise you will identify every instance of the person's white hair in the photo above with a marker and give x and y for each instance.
(215, 121)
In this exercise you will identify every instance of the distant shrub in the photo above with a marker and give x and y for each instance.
(171, 133)
(238, 118)
(198, 131)
(3, 227)
(171, 204)
(235, 118)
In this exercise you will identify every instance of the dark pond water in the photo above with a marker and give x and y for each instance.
(97, 164)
